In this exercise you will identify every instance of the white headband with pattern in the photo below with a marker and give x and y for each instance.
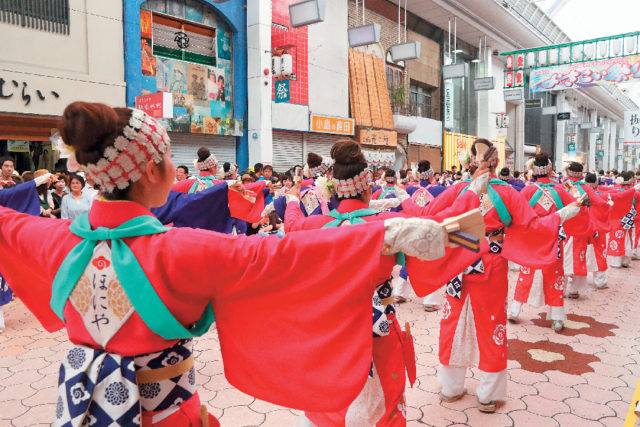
(351, 187)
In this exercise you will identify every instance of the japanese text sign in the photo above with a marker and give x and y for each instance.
(378, 137)
(283, 94)
(327, 124)
(632, 126)
(158, 105)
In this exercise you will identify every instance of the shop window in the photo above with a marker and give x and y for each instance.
(45, 15)
(186, 50)
(420, 100)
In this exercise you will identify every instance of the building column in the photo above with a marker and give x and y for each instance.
(561, 126)
(519, 145)
(593, 119)
(612, 145)
(259, 85)
(620, 150)
(605, 142)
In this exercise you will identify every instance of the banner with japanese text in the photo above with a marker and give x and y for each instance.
(632, 127)
(585, 74)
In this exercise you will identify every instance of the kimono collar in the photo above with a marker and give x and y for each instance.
(112, 214)
(205, 173)
(350, 205)
(545, 180)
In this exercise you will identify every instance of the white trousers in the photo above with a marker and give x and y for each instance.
(492, 386)
(401, 287)
(1, 320)
(555, 313)
(619, 261)
(600, 278)
(434, 298)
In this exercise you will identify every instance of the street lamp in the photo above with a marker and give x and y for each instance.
(307, 12)
(364, 35)
(404, 51)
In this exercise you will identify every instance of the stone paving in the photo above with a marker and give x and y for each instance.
(583, 377)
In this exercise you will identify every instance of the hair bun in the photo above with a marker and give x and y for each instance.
(203, 154)
(424, 165)
(347, 151)
(90, 127)
(314, 160)
(541, 159)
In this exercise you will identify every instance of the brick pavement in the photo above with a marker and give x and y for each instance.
(592, 386)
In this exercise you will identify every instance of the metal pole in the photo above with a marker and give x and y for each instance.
(455, 38)
(405, 21)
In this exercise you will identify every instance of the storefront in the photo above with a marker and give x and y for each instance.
(25, 138)
(291, 148)
(195, 52)
(456, 144)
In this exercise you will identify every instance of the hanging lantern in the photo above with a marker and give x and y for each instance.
(287, 65)
(276, 66)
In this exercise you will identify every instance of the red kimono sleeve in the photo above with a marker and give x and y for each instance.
(580, 225)
(294, 314)
(429, 276)
(183, 186)
(22, 248)
(599, 209)
(248, 210)
(530, 239)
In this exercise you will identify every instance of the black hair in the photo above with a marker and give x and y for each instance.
(184, 168)
(590, 178)
(403, 173)
(627, 175)
(601, 172)
(258, 167)
(424, 165)
(576, 167)
(505, 171)
(7, 159)
(516, 174)
(78, 177)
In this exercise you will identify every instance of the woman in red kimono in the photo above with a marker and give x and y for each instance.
(244, 206)
(132, 293)
(579, 249)
(623, 220)
(474, 314)
(381, 401)
(547, 197)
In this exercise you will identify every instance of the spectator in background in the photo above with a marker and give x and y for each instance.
(410, 178)
(26, 176)
(7, 166)
(402, 173)
(182, 173)
(229, 171)
(90, 189)
(257, 170)
(45, 199)
(77, 202)
(267, 173)
(246, 178)
(57, 193)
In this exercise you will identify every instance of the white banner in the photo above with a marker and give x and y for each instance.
(632, 126)
(448, 104)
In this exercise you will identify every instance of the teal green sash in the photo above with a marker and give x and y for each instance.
(207, 181)
(354, 217)
(385, 191)
(146, 302)
(552, 191)
(496, 200)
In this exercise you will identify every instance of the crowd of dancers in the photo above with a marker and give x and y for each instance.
(155, 263)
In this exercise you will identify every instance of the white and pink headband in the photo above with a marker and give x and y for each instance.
(351, 187)
(207, 164)
(493, 160)
(425, 175)
(142, 140)
(321, 169)
(574, 174)
(542, 170)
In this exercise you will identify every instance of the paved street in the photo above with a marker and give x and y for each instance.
(583, 377)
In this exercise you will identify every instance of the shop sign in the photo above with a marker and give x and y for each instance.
(158, 105)
(454, 71)
(600, 153)
(632, 126)
(564, 116)
(282, 91)
(575, 121)
(328, 124)
(516, 94)
(571, 147)
(10, 87)
(587, 125)
(379, 137)
(484, 83)
(533, 103)
(448, 104)
(18, 146)
(586, 74)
